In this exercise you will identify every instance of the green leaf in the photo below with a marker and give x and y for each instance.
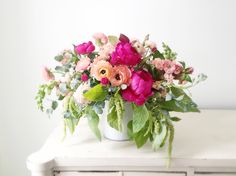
(113, 39)
(175, 119)
(97, 93)
(157, 54)
(54, 105)
(59, 58)
(188, 78)
(74, 109)
(179, 106)
(140, 117)
(71, 123)
(184, 105)
(159, 138)
(140, 137)
(93, 121)
(183, 64)
(61, 69)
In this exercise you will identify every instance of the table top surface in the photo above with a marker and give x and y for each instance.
(209, 135)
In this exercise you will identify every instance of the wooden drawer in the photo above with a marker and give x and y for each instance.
(88, 174)
(152, 174)
(117, 174)
(215, 174)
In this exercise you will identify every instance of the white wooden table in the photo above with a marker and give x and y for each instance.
(205, 144)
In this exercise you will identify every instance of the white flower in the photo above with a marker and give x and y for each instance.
(150, 44)
(78, 95)
(123, 86)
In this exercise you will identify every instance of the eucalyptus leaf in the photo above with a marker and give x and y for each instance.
(54, 105)
(59, 58)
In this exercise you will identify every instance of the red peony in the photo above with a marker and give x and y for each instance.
(125, 54)
(140, 88)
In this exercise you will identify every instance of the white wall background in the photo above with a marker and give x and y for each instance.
(32, 32)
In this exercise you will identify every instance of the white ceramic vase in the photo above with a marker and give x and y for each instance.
(113, 134)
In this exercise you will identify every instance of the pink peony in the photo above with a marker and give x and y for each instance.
(125, 54)
(82, 64)
(101, 38)
(140, 88)
(85, 48)
(47, 74)
(84, 77)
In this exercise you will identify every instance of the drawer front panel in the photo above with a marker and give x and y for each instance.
(152, 174)
(216, 174)
(88, 174)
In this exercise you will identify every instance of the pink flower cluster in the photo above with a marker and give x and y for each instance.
(170, 68)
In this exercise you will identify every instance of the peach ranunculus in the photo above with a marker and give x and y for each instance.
(101, 69)
(121, 74)
(82, 64)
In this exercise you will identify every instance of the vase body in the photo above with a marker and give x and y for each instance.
(113, 134)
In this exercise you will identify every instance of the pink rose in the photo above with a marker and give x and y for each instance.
(140, 88)
(169, 66)
(101, 38)
(47, 74)
(158, 63)
(85, 48)
(82, 64)
(125, 54)
(178, 68)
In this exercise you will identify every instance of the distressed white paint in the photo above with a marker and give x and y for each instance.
(199, 144)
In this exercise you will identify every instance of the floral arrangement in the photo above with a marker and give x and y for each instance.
(120, 71)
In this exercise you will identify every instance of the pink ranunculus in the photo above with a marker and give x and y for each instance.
(140, 88)
(84, 77)
(47, 74)
(82, 64)
(125, 54)
(85, 48)
(104, 81)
